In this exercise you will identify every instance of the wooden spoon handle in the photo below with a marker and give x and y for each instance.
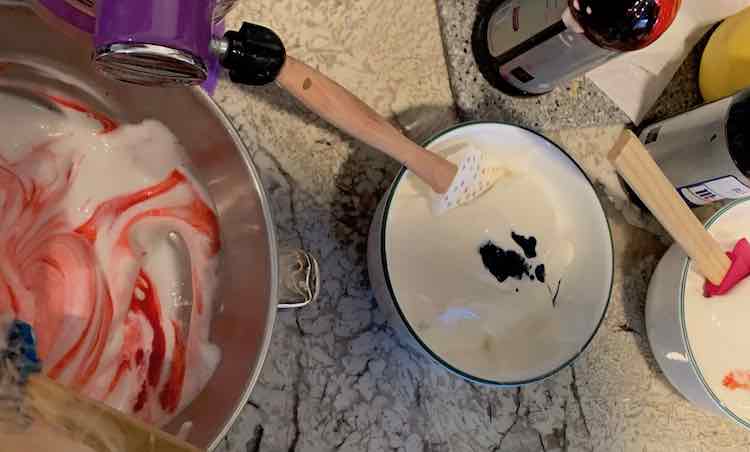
(638, 168)
(95, 424)
(341, 108)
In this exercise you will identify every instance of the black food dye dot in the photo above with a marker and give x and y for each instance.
(503, 264)
(540, 272)
(527, 244)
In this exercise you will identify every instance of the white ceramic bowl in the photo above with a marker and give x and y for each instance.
(699, 342)
(537, 342)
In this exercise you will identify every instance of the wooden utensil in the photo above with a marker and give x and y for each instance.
(86, 421)
(95, 424)
(341, 108)
(640, 171)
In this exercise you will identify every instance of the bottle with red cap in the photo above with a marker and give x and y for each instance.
(527, 47)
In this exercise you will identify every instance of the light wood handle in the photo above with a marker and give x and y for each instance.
(640, 171)
(341, 108)
(95, 424)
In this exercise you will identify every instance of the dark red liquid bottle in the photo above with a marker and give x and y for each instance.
(624, 25)
(526, 47)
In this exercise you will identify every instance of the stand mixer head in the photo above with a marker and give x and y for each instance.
(167, 42)
(148, 42)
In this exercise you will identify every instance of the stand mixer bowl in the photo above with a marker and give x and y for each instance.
(254, 274)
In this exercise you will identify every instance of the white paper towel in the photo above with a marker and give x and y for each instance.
(635, 80)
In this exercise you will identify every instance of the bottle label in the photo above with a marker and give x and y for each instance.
(728, 187)
(534, 50)
(517, 21)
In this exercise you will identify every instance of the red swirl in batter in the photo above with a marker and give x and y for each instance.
(104, 326)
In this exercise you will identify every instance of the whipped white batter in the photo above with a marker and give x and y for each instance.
(86, 210)
(509, 331)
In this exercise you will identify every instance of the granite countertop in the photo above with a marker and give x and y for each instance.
(337, 376)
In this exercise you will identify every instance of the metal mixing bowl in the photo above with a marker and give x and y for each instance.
(35, 56)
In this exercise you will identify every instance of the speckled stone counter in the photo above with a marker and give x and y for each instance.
(682, 93)
(337, 376)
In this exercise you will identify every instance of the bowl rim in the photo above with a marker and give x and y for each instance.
(383, 256)
(683, 325)
(273, 251)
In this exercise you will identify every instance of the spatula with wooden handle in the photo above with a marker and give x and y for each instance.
(636, 165)
(255, 55)
(454, 185)
(102, 428)
(344, 110)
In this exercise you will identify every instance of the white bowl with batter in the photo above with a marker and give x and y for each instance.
(701, 343)
(510, 288)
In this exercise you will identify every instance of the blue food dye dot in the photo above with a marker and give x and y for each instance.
(21, 349)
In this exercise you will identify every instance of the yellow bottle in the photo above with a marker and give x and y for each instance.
(725, 65)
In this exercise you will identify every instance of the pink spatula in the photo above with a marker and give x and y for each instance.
(722, 270)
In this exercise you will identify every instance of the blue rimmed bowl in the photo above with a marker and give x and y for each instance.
(532, 341)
